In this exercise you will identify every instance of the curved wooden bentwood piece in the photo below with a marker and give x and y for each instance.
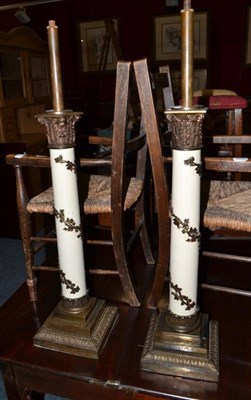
(161, 191)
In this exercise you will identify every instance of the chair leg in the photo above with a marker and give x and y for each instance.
(238, 125)
(238, 129)
(235, 127)
(25, 230)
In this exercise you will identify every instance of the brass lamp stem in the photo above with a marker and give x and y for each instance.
(187, 55)
(187, 4)
(55, 67)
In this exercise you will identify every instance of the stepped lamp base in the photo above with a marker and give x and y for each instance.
(188, 355)
(82, 333)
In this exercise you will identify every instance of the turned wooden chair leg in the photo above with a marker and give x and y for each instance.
(238, 124)
(25, 230)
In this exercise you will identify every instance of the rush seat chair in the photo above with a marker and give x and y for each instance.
(228, 208)
(228, 102)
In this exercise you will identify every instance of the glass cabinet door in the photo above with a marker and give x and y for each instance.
(11, 76)
(39, 76)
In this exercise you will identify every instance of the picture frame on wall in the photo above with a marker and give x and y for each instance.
(167, 37)
(199, 81)
(92, 38)
(247, 61)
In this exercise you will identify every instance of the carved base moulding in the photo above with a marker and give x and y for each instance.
(82, 333)
(188, 355)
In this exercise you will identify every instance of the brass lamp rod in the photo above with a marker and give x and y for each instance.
(187, 4)
(27, 4)
(187, 55)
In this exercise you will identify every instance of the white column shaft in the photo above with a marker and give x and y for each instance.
(184, 255)
(69, 242)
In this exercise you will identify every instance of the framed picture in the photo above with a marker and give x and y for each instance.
(199, 82)
(167, 37)
(92, 37)
(248, 38)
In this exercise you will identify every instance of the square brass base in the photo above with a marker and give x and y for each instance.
(82, 334)
(191, 355)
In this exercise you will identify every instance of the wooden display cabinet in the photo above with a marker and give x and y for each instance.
(24, 83)
(24, 93)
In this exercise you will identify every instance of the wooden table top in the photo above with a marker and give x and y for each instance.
(117, 373)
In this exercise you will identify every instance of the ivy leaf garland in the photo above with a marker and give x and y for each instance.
(69, 285)
(70, 224)
(185, 301)
(69, 165)
(193, 233)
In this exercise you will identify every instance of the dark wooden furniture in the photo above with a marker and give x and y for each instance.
(227, 102)
(124, 189)
(24, 93)
(32, 144)
(24, 82)
(117, 375)
(150, 123)
(162, 87)
(228, 206)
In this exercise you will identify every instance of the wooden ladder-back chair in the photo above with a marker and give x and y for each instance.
(119, 192)
(231, 106)
(113, 193)
(40, 204)
(225, 101)
(150, 123)
(228, 209)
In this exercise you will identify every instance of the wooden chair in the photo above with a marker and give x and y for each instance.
(32, 242)
(117, 193)
(232, 106)
(113, 193)
(225, 101)
(228, 206)
(150, 123)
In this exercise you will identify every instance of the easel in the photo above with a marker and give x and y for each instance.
(110, 36)
(110, 41)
